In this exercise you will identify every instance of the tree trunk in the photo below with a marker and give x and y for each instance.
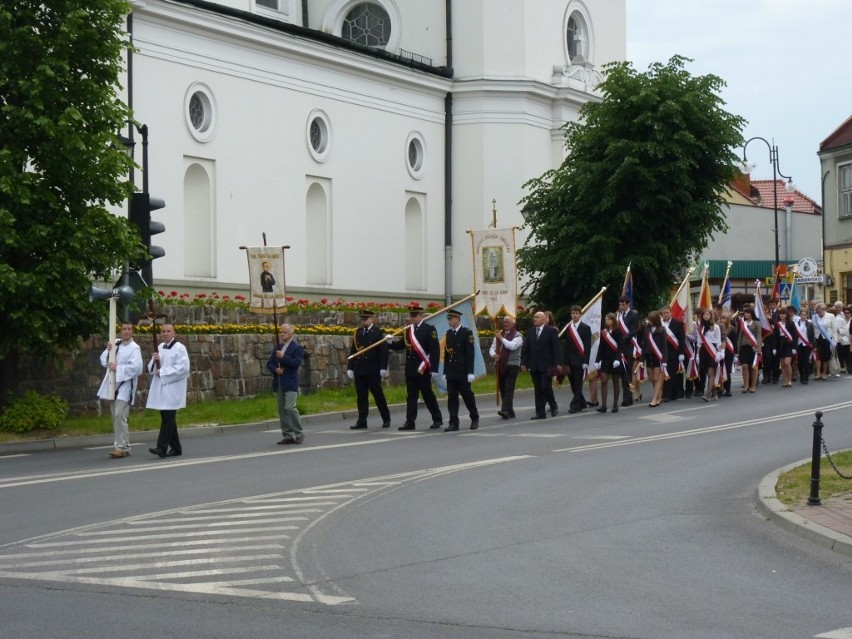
(8, 377)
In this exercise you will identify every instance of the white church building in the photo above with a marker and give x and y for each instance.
(366, 136)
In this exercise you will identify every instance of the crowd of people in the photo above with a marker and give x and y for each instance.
(793, 345)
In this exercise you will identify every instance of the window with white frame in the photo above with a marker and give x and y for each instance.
(577, 39)
(367, 23)
(844, 190)
(269, 4)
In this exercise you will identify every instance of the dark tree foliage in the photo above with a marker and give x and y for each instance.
(60, 168)
(642, 183)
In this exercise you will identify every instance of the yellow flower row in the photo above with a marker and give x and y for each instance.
(263, 329)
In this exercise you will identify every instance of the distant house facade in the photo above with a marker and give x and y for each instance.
(835, 155)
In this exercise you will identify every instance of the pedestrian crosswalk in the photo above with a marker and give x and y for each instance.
(245, 547)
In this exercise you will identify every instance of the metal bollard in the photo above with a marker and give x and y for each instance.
(814, 499)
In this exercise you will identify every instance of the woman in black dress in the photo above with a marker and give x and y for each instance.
(609, 361)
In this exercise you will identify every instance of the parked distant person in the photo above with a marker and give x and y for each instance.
(284, 363)
(169, 370)
(127, 368)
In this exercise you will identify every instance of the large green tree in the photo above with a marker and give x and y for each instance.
(642, 183)
(60, 169)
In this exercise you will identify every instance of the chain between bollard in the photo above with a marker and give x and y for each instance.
(831, 461)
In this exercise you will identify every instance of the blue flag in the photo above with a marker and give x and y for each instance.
(442, 326)
(726, 295)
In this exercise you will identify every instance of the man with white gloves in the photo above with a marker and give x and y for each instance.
(368, 370)
(422, 355)
(458, 371)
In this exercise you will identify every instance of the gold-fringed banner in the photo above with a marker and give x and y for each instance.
(266, 278)
(495, 272)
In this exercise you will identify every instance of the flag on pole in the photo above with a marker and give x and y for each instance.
(759, 313)
(704, 298)
(495, 272)
(627, 287)
(776, 288)
(795, 302)
(725, 294)
(681, 304)
(442, 326)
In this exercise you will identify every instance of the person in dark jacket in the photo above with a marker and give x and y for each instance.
(368, 370)
(422, 355)
(284, 365)
(458, 371)
(540, 354)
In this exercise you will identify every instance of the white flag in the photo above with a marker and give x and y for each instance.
(495, 272)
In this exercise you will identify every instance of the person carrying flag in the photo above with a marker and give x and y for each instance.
(628, 324)
(578, 347)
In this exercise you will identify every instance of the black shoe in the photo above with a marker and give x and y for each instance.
(386, 424)
(503, 414)
(571, 411)
(666, 400)
(804, 381)
(726, 394)
(512, 415)
(615, 408)
(285, 440)
(436, 425)
(474, 424)
(593, 404)
(358, 427)
(174, 453)
(627, 402)
(406, 427)
(602, 409)
(538, 417)
(554, 411)
(300, 439)
(451, 428)
(159, 452)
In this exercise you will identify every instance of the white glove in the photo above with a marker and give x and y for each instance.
(388, 338)
(597, 366)
(680, 357)
(794, 351)
(736, 360)
(774, 352)
(616, 363)
(350, 374)
(720, 356)
(470, 379)
(383, 373)
(585, 368)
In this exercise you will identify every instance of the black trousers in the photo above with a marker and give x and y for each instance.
(168, 436)
(578, 402)
(420, 385)
(507, 389)
(673, 386)
(364, 385)
(543, 392)
(456, 387)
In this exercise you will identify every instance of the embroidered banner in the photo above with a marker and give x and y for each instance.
(495, 272)
(266, 279)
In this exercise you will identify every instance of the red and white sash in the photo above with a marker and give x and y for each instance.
(803, 336)
(608, 339)
(711, 350)
(575, 337)
(752, 340)
(659, 355)
(421, 353)
(784, 332)
(672, 339)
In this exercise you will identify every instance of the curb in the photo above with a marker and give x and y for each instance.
(769, 505)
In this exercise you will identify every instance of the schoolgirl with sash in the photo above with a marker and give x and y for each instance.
(655, 353)
(610, 362)
(710, 353)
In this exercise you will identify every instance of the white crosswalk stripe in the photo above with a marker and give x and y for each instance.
(237, 548)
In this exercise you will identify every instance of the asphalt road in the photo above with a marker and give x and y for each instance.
(639, 525)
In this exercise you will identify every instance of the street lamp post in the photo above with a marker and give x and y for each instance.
(790, 187)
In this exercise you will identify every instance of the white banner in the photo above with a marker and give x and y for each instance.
(592, 317)
(266, 279)
(495, 272)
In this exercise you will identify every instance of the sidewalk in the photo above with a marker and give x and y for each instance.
(829, 524)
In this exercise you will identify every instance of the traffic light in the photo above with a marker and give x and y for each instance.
(141, 205)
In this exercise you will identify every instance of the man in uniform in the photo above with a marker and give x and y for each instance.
(578, 347)
(458, 371)
(422, 355)
(127, 367)
(368, 370)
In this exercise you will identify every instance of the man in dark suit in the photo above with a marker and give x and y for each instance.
(578, 345)
(458, 370)
(539, 353)
(771, 363)
(675, 354)
(628, 322)
(422, 355)
(368, 370)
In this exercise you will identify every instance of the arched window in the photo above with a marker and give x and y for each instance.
(415, 249)
(317, 235)
(577, 39)
(199, 256)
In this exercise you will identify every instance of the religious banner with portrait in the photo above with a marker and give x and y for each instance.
(266, 278)
(495, 272)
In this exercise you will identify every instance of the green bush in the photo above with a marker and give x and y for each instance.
(33, 411)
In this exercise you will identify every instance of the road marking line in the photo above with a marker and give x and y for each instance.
(840, 633)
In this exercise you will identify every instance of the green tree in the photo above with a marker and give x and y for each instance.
(642, 183)
(60, 168)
